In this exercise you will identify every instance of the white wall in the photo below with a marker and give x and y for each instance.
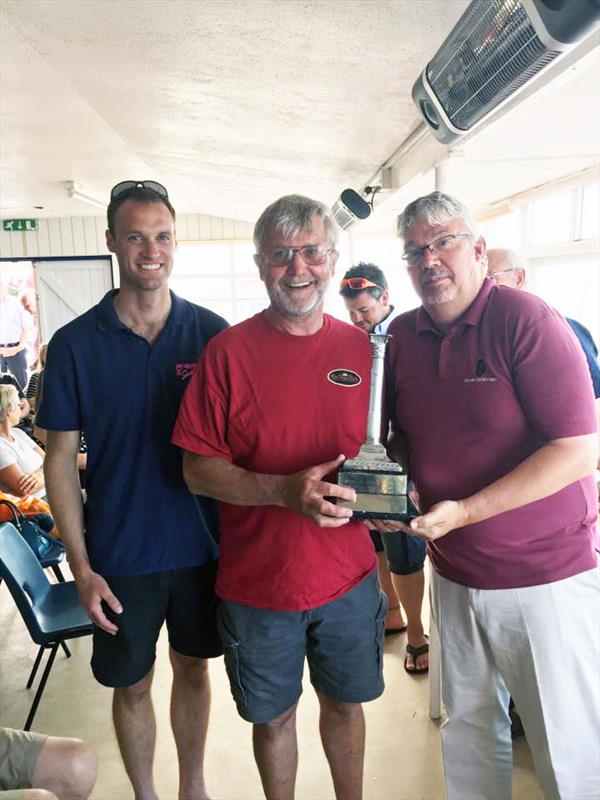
(84, 236)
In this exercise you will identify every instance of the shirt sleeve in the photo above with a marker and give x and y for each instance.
(552, 379)
(7, 455)
(32, 386)
(201, 425)
(60, 405)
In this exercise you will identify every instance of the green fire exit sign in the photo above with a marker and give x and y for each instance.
(20, 224)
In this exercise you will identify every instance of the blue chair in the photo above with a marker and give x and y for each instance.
(56, 553)
(52, 612)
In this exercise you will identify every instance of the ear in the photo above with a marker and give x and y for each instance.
(385, 298)
(521, 278)
(259, 261)
(110, 242)
(480, 249)
(333, 257)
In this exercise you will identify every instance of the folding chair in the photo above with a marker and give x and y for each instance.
(52, 612)
(56, 553)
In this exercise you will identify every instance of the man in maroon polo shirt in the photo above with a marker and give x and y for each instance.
(492, 407)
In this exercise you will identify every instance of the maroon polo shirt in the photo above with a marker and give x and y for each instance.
(476, 401)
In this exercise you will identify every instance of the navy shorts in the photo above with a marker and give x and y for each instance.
(405, 554)
(342, 641)
(184, 598)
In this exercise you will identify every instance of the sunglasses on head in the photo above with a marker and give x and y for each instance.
(128, 186)
(358, 283)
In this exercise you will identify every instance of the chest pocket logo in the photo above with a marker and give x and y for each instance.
(185, 371)
(344, 377)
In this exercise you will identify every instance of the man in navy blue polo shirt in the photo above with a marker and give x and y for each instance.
(140, 548)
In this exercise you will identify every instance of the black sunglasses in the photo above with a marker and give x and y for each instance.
(128, 186)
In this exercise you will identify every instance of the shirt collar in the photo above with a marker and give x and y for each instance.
(107, 319)
(471, 316)
(382, 326)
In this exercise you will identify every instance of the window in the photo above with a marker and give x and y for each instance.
(549, 220)
(590, 212)
(502, 231)
(221, 276)
(573, 288)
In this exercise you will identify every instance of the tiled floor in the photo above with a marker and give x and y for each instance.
(403, 760)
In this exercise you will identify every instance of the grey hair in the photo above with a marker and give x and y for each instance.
(435, 208)
(9, 399)
(288, 216)
(513, 260)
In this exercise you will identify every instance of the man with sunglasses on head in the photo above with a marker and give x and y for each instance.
(276, 403)
(493, 413)
(141, 549)
(401, 557)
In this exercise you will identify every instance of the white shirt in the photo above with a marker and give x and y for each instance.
(14, 319)
(385, 323)
(20, 451)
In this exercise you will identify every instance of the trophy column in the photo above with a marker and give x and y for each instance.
(380, 484)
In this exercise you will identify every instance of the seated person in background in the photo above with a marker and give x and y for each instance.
(39, 434)
(32, 387)
(6, 379)
(34, 766)
(21, 459)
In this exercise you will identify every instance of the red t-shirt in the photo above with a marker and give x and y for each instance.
(508, 377)
(269, 403)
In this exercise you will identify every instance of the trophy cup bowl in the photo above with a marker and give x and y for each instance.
(380, 484)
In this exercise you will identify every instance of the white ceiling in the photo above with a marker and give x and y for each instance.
(232, 103)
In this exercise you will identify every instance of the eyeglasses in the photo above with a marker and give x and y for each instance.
(312, 254)
(128, 186)
(445, 244)
(358, 283)
(492, 275)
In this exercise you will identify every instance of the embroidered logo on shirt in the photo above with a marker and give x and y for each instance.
(185, 371)
(479, 370)
(344, 377)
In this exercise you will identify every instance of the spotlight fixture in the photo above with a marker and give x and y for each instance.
(349, 207)
(78, 192)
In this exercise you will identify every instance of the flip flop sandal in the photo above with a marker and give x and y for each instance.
(415, 652)
(392, 631)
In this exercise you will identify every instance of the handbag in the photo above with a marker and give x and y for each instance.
(35, 532)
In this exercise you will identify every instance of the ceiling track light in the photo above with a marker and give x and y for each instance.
(350, 207)
(78, 192)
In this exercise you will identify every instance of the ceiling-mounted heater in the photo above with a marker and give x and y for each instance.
(493, 50)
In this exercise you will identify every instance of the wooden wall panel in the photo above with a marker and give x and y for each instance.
(84, 236)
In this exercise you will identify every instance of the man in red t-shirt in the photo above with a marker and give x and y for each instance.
(274, 406)
(492, 400)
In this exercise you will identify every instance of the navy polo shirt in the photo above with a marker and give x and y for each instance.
(124, 393)
(591, 352)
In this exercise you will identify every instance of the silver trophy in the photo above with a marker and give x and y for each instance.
(380, 484)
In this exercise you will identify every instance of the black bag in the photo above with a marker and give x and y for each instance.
(43, 545)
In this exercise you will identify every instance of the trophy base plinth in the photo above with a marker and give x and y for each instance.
(381, 506)
(381, 490)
